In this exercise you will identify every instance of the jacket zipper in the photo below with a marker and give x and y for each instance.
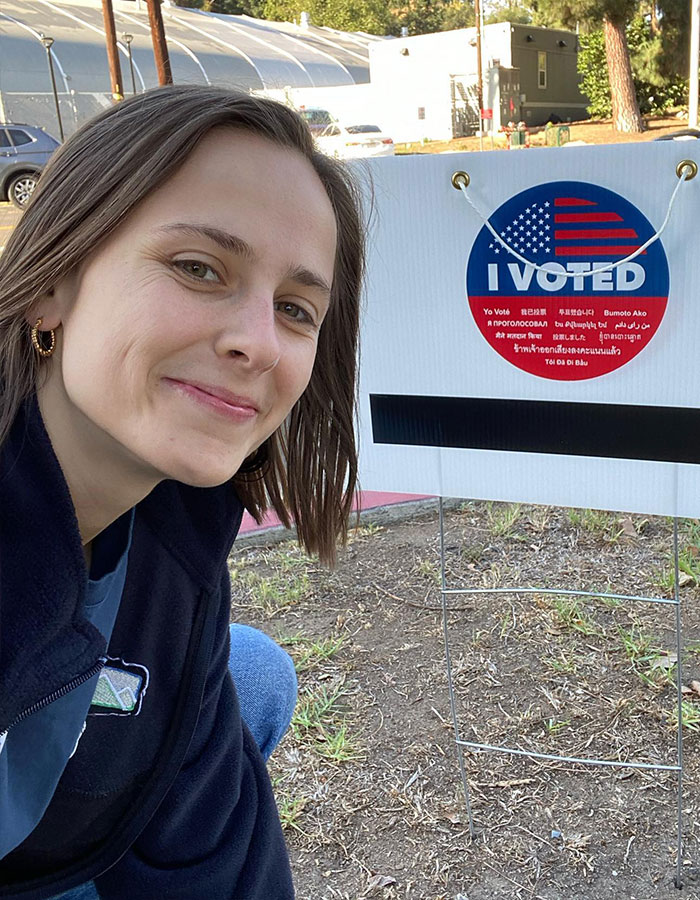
(195, 670)
(57, 694)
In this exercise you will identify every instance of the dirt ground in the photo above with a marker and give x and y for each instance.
(591, 131)
(367, 779)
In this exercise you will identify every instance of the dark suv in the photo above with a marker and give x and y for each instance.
(24, 151)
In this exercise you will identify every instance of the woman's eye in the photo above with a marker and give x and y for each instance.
(294, 311)
(197, 270)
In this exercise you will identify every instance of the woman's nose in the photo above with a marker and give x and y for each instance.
(251, 334)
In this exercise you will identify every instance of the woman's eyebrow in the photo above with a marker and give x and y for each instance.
(235, 244)
(302, 275)
(230, 242)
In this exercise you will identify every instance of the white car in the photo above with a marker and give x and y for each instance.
(352, 141)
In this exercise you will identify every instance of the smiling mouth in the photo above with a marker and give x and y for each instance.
(223, 402)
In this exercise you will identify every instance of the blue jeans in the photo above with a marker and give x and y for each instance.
(266, 684)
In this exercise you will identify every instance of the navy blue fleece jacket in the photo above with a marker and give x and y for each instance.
(168, 798)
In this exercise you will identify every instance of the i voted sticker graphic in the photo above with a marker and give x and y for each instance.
(560, 323)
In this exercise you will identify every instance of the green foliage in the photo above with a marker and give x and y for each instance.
(346, 15)
(457, 14)
(419, 16)
(593, 69)
(674, 28)
(229, 7)
(373, 16)
(509, 11)
(587, 14)
(655, 91)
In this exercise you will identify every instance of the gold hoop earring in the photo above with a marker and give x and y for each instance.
(38, 346)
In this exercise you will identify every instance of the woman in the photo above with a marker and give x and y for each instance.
(178, 324)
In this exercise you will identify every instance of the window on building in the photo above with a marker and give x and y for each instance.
(421, 112)
(541, 69)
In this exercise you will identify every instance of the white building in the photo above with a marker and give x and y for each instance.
(426, 85)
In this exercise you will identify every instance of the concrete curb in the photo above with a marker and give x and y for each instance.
(381, 515)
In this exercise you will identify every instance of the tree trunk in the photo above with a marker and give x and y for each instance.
(625, 111)
(655, 28)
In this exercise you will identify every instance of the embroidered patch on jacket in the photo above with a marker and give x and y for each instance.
(120, 689)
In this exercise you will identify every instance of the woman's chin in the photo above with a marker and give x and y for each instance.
(203, 476)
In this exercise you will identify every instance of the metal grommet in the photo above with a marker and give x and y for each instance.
(460, 179)
(684, 164)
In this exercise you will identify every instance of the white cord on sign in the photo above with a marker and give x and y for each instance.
(608, 268)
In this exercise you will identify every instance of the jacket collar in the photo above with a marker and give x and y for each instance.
(44, 639)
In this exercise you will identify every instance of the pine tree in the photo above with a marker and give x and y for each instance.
(615, 15)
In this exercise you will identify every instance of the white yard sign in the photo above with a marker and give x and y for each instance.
(484, 377)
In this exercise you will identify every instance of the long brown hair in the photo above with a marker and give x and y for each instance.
(95, 180)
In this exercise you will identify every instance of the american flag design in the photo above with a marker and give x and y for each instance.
(571, 226)
(561, 323)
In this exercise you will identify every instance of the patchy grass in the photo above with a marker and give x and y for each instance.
(309, 653)
(284, 584)
(502, 518)
(653, 666)
(570, 614)
(690, 716)
(276, 593)
(338, 745)
(430, 570)
(367, 778)
(316, 709)
(290, 808)
(553, 725)
(599, 524)
(563, 664)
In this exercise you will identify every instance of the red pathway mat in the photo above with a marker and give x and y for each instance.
(364, 499)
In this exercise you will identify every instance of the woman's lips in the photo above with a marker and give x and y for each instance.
(239, 409)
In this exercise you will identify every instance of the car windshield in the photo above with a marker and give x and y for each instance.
(363, 129)
(316, 116)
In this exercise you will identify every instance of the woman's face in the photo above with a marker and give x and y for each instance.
(186, 339)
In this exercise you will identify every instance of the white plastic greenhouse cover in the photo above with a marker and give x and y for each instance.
(205, 48)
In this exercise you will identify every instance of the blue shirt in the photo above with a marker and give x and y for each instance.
(37, 749)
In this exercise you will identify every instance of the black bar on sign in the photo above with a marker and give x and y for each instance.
(663, 433)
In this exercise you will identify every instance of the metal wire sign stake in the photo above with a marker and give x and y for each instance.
(686, 170)
(530, 337)
(475, 745)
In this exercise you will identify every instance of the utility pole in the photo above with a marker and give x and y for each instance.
(160, 47)
(479, 73)
(115, 72)
(694, 55)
